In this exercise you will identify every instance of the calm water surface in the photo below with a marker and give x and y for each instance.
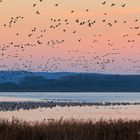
(76, 97)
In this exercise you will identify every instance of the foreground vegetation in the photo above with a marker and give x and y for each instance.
(70, 130)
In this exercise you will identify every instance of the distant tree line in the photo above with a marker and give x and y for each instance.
(77, 83)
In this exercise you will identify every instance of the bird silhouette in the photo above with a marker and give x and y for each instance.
(79, 34)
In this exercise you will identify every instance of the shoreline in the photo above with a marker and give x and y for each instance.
(12, 104)
(29, 110)
(84, 113)
(32, 103)
(16, 99)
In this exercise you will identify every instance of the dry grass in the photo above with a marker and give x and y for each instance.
(70, 130)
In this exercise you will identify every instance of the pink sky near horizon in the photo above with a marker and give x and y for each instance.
(72, 55)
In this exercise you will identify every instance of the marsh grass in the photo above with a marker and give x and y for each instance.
(70, 130)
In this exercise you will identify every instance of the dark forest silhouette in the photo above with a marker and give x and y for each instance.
(77, 82)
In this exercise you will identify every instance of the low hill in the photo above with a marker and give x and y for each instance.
(70, 82)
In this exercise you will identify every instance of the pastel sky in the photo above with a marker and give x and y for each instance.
(50, 36)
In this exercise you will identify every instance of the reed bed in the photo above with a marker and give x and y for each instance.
(70, 130)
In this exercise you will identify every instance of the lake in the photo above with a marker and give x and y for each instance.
(77, 96)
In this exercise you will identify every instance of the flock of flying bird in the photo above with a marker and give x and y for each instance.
(75, 60)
